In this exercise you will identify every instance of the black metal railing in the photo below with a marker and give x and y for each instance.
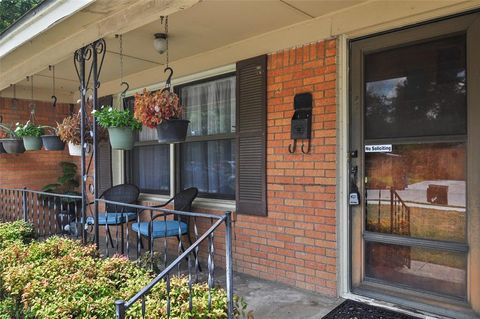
(49, 213)
(399, 215)
(184, 255)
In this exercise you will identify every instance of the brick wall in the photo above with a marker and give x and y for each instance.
(296, 243)
(38, 168)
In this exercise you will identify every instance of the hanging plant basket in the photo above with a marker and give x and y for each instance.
(172, 131)
(53, 143)
(76, 149)
(121, 138)
(32, 143)
(13, 145)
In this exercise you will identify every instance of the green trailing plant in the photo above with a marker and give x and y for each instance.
(67, 183)
(108, 117)
(29, 130)
(60, 278)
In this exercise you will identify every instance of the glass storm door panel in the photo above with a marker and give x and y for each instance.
(412, 232)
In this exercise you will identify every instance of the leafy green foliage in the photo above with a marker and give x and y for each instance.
(60, 278)
(11, 10)
(66, 183)
(18, 231)
(107, 117)
(29, 129)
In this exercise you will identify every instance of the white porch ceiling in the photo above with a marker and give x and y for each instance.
(206, 26)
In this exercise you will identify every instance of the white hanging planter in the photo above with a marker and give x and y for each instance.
(76, 150)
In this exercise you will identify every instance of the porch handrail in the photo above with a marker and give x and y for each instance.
(26, 190)
(122, 306)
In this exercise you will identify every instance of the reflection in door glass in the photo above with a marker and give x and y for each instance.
(416, 90)
(417, 190)
(441, 272)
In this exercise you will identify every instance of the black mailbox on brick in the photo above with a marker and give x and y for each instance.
(301, 121)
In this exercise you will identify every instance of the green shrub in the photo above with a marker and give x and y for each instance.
(18, 231)
(60, 278)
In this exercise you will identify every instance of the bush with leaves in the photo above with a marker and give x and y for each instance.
(13, 232)
(60, 278)
(108, 117)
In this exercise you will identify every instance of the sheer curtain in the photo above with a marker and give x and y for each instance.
(209, 164)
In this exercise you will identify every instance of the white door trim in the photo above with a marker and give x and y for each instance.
(343, 226)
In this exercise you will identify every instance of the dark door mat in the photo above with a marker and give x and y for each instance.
(350, 309)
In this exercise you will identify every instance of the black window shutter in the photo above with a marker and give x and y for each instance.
(251, 128)
(104, 165)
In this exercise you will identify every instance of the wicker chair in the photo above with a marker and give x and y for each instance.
(116, 214)
(170, 228)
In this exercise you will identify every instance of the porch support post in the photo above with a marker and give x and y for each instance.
(96, 84)
(229, 262)
(120, 309)
(83, 92)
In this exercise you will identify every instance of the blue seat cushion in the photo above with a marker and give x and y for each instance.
(112, 218)
(160, 229)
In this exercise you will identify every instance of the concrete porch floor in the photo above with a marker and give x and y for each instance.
(272, 300)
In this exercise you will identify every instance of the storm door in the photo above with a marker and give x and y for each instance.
(415, 124)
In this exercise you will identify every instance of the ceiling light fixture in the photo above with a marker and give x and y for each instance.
(160, 42)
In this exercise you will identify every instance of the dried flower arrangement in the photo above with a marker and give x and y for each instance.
(152, 108)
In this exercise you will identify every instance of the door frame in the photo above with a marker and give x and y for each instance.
(471, 25)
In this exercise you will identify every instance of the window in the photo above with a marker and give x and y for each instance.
(207, 158)
(224, 155)
(148, 164)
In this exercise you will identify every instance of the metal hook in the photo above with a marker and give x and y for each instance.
(1, 118)
(127, 86)
(308, 148)
(169, 79)
(291, 149)
(54, 101)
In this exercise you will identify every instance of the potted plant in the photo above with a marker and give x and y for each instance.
(31, 135)
(162, 110)
(69, 132)
(13, 144)
(52, 142)
(120, 124)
